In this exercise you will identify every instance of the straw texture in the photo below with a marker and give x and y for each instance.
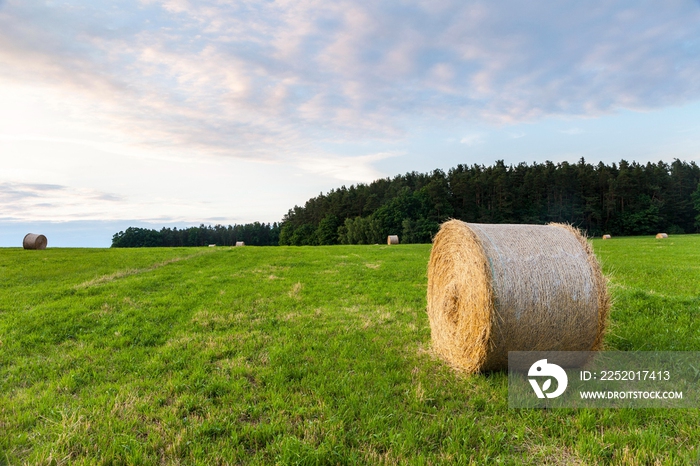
(392, 239)
(607, 237)
(661, 235)
(499, 288)
(34, 241)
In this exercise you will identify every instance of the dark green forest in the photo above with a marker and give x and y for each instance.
(619, 199)
(253, 234)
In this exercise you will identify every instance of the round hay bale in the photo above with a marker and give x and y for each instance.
(661, 235)
(607, 237)
(34, 241)
(499, 288)
(392, 239)
(240, 243)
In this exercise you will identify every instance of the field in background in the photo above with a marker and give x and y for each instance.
(301, 355)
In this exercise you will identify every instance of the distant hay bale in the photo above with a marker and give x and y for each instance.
(661, 235)
(607, 237)
(33, 241)
(212, 245)
(499, 288)
(240, 243)
(392, 239)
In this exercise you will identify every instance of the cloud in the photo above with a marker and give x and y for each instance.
(353, 169)
(472, 139)
(58, 203)
(572, 131)
(272, 81)
(12, 193)
(23, 201)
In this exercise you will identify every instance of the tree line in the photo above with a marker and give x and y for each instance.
(253, 234)
(619, 199)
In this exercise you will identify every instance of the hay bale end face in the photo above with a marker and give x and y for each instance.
(392, 239)
(607, 237)
(499, 288)
(34, 241)
(661, 235)
(240, 243)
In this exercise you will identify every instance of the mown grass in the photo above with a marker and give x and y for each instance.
(307, 355)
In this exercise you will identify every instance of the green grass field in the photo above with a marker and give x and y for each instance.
(301, 355)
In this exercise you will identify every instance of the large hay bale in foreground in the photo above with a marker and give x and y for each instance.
(661, 235)
(392, 239)
(34, 241)
(607, 237)
(499, 288)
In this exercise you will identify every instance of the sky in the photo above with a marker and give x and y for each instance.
(157, 113)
